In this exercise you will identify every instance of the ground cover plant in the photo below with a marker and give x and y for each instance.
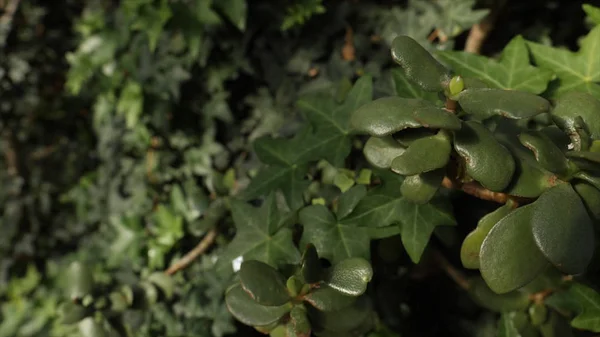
(300, 168)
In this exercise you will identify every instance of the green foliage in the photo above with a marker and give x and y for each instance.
(185, 168)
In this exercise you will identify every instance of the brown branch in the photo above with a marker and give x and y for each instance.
(193, 254)
(480, 31)
(7, 17)
(348, 51)
(456, 275)
(10, 155)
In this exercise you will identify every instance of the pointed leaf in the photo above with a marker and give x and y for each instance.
(388, 115)
(311, 268)
(423, 155)
(421, 188)
(263, 283)
(349, 199)
(418, 64)
(381, 151)
(509, 256)
(562, 229)
(326, 298)
(247, 311)
(350, 276)
(485, 103)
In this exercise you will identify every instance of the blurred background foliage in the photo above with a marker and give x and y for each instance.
(126, 125)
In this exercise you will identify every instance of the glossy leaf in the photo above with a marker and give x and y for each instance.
(387, 115)
(512, 71)
(349, 199)
(350, 276)
(577, 71)
(335, 240)
(311, 268)
(418, 64)
(404, 87)
(575, 104)
(385, 206)
(547, 153)
(485, 103)
(471, 247)
(592, 159)
(246, 310)
(326, 298)
(562, 229)
(581, 300)
(380, 151)
(488, 299)
(485, 159)
(263, 283)
(298, 325)
(509, 256)
(261, 235)
(421, 188)
(423, 155)
(591, 199)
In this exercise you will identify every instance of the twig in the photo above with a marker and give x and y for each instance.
(200, 248)
(348, 51)
(455, 274)
(6, 19)
(480, 31)
(10, 155)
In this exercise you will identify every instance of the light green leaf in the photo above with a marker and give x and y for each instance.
(235, 11)
(511, 71)
(579, 71)
(333, 239)
(130, 103)
(261, 235)
(384, 206)
(592, 12)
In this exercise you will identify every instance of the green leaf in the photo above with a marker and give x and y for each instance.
(130, 103)
(515, 324)
(571, 105)
(421, 188)
(486, 160)
(289, 180)
(538, 313)
(579, 71)
(556, 326)
(585, 302)
(164, 282)
(80, 281)
(509, 256)
(423, 155)
(511, 71)
(335, 240)
(388, 115)
(418, 64)
(299, 325)
(332, 122)
(72, 313)
(311, 268)
(487, 102)
(384, 206)
(591, 199)
(405, 88)
(381, 151)
(261, 235)
(326, 298)
(342, 320)
(90, 327)
(263, 283)
(562, 229)
(546, 152)
(235, 11)
(592, 12)
(488, 299)
(350, 276)
(246, 310)
(471, 247)
(349, 199)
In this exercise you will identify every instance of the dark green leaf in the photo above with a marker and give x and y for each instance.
(80, 281)
(485, 103)
(509, 256)
(381, 151)
(298, 325)
(247, 311)
(585, 302)
(164, 282)
(388, 115)
(235, 11)
(326, 298)
(547, 153)
(556, 326)
(486, 160)
(342, 320)
(349, 199)
(562, 229)
(488, 299)
(423, 155)
(575, 104)
(408, 89)
(421, 188)
(72, 313)
(350, 276)
(512, 71)
(311, 268)
(263, 283)
(538, 314)
(591, 199)
(333, 239)
(515, 324)
(418, 64)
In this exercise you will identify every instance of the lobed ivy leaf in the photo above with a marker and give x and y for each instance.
(261, 235)
(385, 205)
(577, 71)
(592, 12)
(581, 300)
(349, 199)
(512, 71)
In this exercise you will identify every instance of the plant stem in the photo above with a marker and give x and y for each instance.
(480, 31)
(455, 274)
(200, 248)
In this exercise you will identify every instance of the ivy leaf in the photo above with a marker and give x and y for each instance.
(584, 301)
(511, 71)
(579, 71)
(405, 88)
(332, 122)
(333, 239)
(235, 11)
(261, 235)
(452, 16)
(385, 205)
(593, 13)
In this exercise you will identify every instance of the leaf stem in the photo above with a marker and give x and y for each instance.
(476, 190)
(193, 254)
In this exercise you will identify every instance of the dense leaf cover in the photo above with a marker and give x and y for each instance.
(315, 167)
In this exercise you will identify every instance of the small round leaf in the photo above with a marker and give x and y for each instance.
(423, 155)
(326, 298)
(342, 320)
(485, 103)
(562, 229)
(572, 105)
(263, 283)
(545, 151)
(591, 199)
(381, 151)
(350, 276)
(484, 296)
(299, 324)
(247, 311)
(420, 188)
